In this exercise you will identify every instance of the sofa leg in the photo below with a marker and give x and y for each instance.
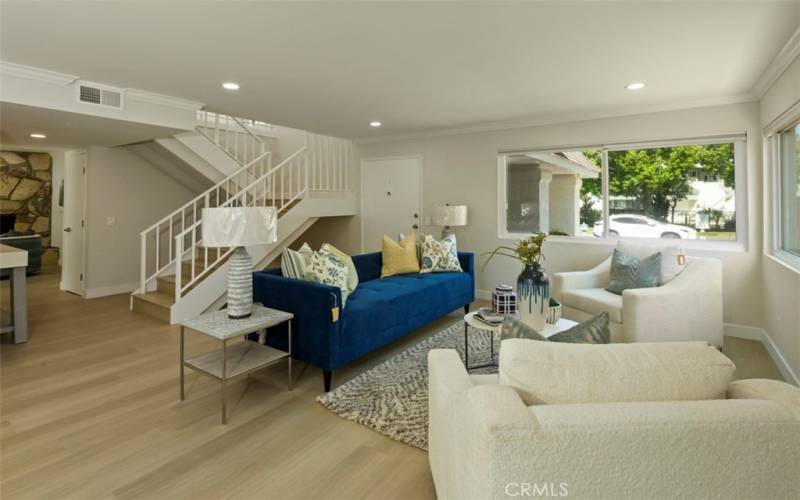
(466, 309)
(326, 379)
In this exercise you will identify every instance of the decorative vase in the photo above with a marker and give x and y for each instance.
(533, 296)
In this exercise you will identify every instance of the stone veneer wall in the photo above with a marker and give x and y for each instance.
(26, 189)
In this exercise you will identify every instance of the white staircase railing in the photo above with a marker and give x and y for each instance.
(173, 243)
(238, 138)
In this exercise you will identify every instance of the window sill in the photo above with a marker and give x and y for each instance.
(691, 245)
(786, 259)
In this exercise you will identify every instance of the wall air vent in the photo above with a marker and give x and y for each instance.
(100, 95)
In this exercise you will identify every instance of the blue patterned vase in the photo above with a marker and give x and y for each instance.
(533, 296)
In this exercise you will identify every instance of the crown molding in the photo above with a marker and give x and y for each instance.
(163, 100)
(559, 118)
(778, 65)
(64, 79)
(38, 74)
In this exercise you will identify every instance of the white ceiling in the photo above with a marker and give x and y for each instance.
(332, 67)
(69, 130)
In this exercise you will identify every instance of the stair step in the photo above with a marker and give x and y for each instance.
(155, 304)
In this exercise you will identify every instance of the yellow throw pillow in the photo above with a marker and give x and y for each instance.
(399, 258)
(352, 274)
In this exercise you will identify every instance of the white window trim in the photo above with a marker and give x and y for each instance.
(742, 230)
(772, 188)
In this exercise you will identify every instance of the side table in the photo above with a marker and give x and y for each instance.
(241, 358)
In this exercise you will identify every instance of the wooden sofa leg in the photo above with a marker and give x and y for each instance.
(326, 378)
(466, 309)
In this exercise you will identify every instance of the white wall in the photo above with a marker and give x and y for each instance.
(464, 168)
(781, 285)
(136, 194)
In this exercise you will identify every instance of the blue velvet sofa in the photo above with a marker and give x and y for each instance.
(379, 311)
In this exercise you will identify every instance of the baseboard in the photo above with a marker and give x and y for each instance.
(788, 374)
(755, 333)
(743, 331)
(93, 293)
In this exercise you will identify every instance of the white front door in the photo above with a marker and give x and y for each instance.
(73, 230)
(390, 191)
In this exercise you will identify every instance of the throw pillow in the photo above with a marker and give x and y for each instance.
(671, 265)
(293, 264)
(352, 274)
(592, 331)
(399, 258)
(328, 269)
(515, 329)
(629, 272)
(439, 256)
(306, 252)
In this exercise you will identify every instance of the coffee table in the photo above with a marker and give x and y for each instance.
(471, 321)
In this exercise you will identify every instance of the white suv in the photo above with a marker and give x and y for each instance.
(640, 226)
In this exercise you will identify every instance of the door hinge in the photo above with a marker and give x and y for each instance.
(81, 223)
(84, 170)
(81, 278)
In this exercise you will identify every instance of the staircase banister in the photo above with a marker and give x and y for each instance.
(225, 151)
(259, 157)
(194, 200)
(281, 164)
(254, 136)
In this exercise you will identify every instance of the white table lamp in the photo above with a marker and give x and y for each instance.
(448, 216)
(239, 227)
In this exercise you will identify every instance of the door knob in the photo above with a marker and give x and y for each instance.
(415, 226)
(416, 216)
(67, 229)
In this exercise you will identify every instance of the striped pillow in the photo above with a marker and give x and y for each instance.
(293, 264)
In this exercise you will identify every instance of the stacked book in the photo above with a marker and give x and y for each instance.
(488, 316)
(504, 300)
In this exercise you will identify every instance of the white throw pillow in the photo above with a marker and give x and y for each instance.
(670, 266)
(562, 373)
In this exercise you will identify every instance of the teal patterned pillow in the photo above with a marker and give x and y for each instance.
(329, 269)
(439, 256)
(629, 272)
(592, 331)
(516, 329)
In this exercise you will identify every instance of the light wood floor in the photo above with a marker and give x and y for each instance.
(90, 409)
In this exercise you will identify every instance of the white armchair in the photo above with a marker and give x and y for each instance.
(486, 443)
(689, 307)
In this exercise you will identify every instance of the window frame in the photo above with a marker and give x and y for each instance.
(739, 140)
(773, 247)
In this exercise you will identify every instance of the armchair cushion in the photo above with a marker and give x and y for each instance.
(560, 373)
(594, 301)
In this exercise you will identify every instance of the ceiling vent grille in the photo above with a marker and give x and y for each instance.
(90, 93)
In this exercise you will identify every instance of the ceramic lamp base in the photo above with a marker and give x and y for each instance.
(446, 232)
(240, 284)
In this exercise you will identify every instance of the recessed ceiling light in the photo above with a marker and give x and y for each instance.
(635, 86)
(39, 136)
(230, 86)
(375, 124)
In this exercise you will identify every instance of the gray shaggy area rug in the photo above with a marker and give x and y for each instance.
(392, 397)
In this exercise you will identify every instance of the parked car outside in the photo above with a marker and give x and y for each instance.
(641, 226)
